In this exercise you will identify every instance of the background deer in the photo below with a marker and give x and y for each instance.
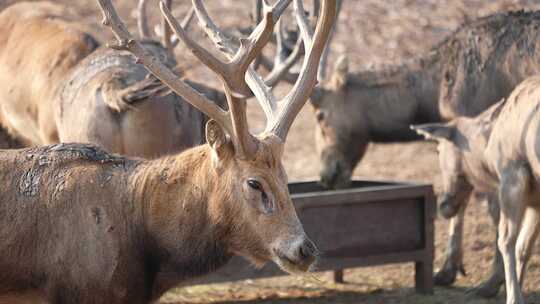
(463, 178)
(80, 225)
(498, 154)
(40, 43)
(112, 101)
(478, 64)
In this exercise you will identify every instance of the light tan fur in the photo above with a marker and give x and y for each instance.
(498, 152)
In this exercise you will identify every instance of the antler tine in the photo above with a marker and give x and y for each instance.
(232, 72)
(185, 23)
(229, 45)
(226, 44)
(256, 17)
(187, 19)
(142, 20)
(282, 62)
(126, 42)
(324, 59)
(166, 30)
(314, 45)
(306, 33)
(215, 64)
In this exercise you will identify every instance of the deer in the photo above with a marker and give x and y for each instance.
(476, 65)
(40, 43)
(496, 154)
(112, 101)
(82, 225)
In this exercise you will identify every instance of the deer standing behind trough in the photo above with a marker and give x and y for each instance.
(80, 225)
(40, 43)
(480, 63)
(497, 154)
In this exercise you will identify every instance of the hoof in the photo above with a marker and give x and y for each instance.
(448, 211)
(445, 277)
(488, 289)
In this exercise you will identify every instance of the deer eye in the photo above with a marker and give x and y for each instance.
(254, 184)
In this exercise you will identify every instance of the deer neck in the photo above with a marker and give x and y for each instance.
(183, 238)
(402, 95)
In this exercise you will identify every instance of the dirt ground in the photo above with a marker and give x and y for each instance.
(371, 32)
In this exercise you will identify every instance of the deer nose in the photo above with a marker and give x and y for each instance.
(308, 252)
(330, 174)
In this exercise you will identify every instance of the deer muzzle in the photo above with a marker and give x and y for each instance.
(296, 256)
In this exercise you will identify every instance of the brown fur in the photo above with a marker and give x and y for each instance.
(40, 42)
(477, 65)
(134, 228)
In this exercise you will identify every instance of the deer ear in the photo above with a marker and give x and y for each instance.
(217, 140)
(435, 131)
(339, 75)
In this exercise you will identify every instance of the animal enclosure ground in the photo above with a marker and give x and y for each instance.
(370, 32)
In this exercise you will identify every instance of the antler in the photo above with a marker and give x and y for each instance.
(165, 29)
(168, 40)
(280, 114)
(314, 45)
(232, 72)
(327, 49)
(260, 88)
(142, 20)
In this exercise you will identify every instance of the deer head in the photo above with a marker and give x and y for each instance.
(249, 169)
(340, 138)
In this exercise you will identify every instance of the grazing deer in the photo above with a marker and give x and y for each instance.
(499, 155)
(80, 225)
(478, 64)
(40, 43)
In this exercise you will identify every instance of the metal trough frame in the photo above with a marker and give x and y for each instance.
(371, 223)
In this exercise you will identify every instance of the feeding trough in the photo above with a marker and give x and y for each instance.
(370, 223)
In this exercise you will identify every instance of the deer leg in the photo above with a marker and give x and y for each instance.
(512, 198)
(525, 243)
(490, 287)
(454, 251)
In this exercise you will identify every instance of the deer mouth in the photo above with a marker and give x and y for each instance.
(335, 175)
(293, 266)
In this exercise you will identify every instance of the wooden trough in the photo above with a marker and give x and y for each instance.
(371, 223)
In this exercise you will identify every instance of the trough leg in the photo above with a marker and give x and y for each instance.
(423, 276)
(338, 276)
